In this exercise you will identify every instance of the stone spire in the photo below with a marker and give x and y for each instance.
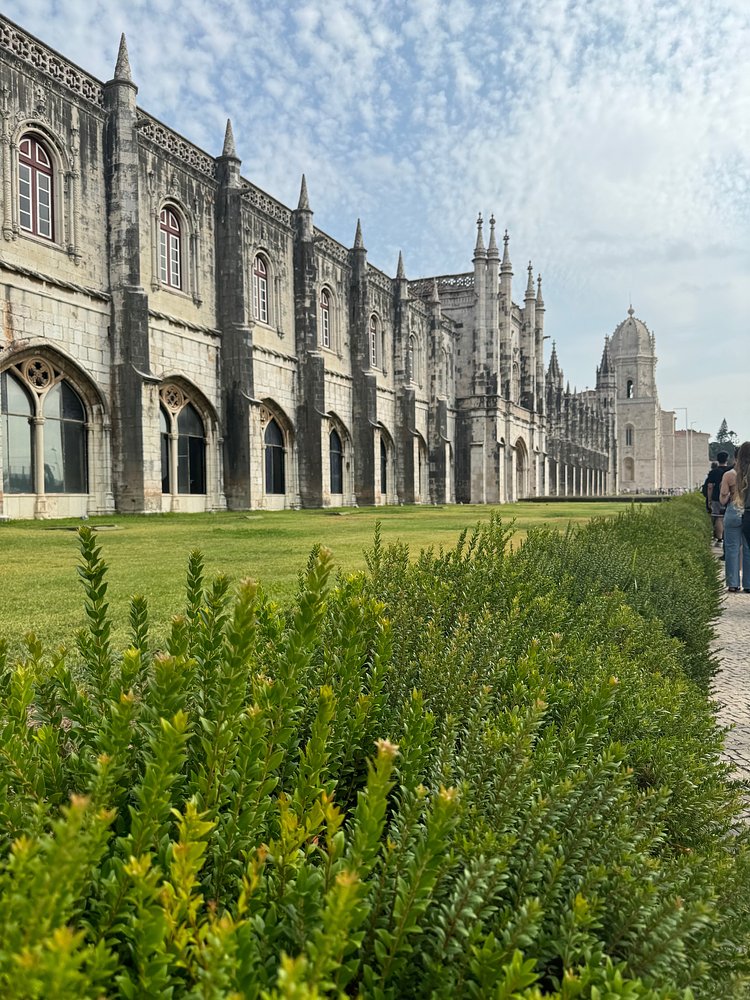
(304, 201)
(229, 147)
(539, 299)
(122, 66)
(530, 283)
(400, 272)
(506, 267)
(359, 243)
(606, 366)
(493, 252)
(479, 250)
(554, 371)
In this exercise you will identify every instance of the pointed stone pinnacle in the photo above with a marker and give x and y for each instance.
(507, 267)
(229, 147)
(492, 249)
(479, 250)
(304, 201)
(359, 243)
(122, 66)
(400, 273)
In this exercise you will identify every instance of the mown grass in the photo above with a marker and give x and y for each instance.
(148, 554)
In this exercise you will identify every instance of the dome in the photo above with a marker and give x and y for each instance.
(631, 337)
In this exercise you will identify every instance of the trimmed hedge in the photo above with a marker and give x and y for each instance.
(481, 774)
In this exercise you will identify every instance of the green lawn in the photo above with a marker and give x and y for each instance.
(148, 555)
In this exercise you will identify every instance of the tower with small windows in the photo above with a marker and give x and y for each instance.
(631, 354)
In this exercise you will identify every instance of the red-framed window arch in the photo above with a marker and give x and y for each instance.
(171, 232)
(261, 273)
(373, 340)
(36, 181)
(325, 318)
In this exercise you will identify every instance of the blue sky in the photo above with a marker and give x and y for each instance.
(611, 138)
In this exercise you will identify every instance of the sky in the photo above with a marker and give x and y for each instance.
(610, 137)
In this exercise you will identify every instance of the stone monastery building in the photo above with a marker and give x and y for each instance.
(175, 339)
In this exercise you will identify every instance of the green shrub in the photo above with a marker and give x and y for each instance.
(480, 774)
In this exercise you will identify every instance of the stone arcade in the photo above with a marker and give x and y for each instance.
(175, 339)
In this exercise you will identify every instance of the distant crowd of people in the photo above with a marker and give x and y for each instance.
(727, 493)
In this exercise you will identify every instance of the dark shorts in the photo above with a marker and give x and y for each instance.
(716, 509)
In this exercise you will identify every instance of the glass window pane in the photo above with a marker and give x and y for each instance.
(74, 456)
(72, 408)
(25, 196)
(165, 464)
(273, 434)
(54, 469)
(188, 422)
(197, 461)
(18, 472)
(163, 273)
(183, 465)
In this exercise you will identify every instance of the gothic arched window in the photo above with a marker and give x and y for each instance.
(630, 389)
(383, 467)
(325, 318)
(170, 248)
(336, 452)
(275, 458)
(183, 444)
(64, 441)
(18, 444)
(411, 373)
(629, 435)
(260, 289)
(35, 176)
(43, 432)
(373, 338)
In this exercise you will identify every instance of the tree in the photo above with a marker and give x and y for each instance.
(726, 440)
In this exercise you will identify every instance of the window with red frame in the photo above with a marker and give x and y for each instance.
(35, 188)
(260, 289)
(325, 318)
(170, 249)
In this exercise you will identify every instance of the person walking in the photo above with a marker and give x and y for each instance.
(715, 477)
(736, 548)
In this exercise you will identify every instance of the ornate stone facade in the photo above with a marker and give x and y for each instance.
(202, 346)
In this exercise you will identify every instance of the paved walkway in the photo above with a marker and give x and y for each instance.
(731, 686)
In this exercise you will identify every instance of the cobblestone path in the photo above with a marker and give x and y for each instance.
(731, 686)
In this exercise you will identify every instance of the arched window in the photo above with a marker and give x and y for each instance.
(336, 452)
(191, 452)
(183, 444)
(383, 467)
(373, 335)
(629, 435)
(35, 188)
(325, 318)
(170, 249)
(18, 443)
(630, 389)
(260, 289)
(43, 432)
(274, 444)
(64, 441)
(628, 467)
(166, 478)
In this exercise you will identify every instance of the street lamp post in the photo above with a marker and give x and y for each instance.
(688, 462)
(690, 451)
